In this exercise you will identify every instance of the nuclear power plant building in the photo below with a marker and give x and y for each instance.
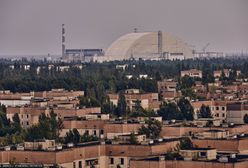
(148, 46)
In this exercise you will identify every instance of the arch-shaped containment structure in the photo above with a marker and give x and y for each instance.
(145, 45)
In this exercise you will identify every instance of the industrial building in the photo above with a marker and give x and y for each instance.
(148, 46)
(84, 55)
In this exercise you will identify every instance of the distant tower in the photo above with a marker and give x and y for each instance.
(63, 40)
(135, 30)
(160, 43)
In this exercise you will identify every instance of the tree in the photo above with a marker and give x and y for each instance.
(185, 143)
(186, 109)
(133, 139)
(170, 111)
(205, 112)
(56, 124)
(188, 92)
(108, 107)
(87, 138)
(76, 136)
(121, 105)
(16, 123)
(16, 118)
(187, 82)
(246, 118)
(158, 76)
(68, 137)
(222, 76)
(152, 129)
(138, 107)
(4, 122)
(207, 74)
(88, 102)
(48, 127)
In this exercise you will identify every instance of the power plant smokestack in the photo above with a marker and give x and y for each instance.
(63, 40)
(160, 43)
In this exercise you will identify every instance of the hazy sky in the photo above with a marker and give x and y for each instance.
(34, 26)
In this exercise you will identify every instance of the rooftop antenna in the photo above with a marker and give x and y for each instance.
(63, 40)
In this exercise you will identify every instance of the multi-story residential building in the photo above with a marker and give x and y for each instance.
(30, 115)
(226, 72)
(167, 85)
(147, 100)
(90, 127)
(218, 73)
(217, 107)
(194, 73)
(167, 90)
(236, 112)
(87, 155)
(55, 96)
(233, 144)
(58, 94)
(161, 161)
(8, 98)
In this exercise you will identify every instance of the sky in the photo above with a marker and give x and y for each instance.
(34, 26)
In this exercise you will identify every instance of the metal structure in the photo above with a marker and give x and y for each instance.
(160, 43)
(63, 40)
(205, 47)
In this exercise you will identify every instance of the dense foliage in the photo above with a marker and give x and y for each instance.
(98, 79)
(151, 129)
(205, 112)
(181, 110)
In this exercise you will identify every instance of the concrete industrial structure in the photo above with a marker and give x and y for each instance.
(154, 45)
(147, 46)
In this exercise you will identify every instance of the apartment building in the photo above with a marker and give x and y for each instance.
(217, 107)
(236, 112)
(147, 100)
(91, 127)
(218, 73)
(161, 162)
(29, 115)
(55, 96)
(58, 94)
(167, 90)
(194, 73)
(87, 155)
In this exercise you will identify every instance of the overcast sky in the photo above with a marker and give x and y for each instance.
(34, 26)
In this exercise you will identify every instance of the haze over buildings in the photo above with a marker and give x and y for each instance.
(33, 27)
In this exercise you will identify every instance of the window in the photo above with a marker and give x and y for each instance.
(27, 123)
(94, 132)
(223, 108)
(217, 108)
(91, 162)
(74, 165)
(203, 154)
(122, 161)
(27, 115)
(111, 161)
(223, 115)
(102, 132)
(80, 164)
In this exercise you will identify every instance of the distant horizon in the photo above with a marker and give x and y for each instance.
(34, 27)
